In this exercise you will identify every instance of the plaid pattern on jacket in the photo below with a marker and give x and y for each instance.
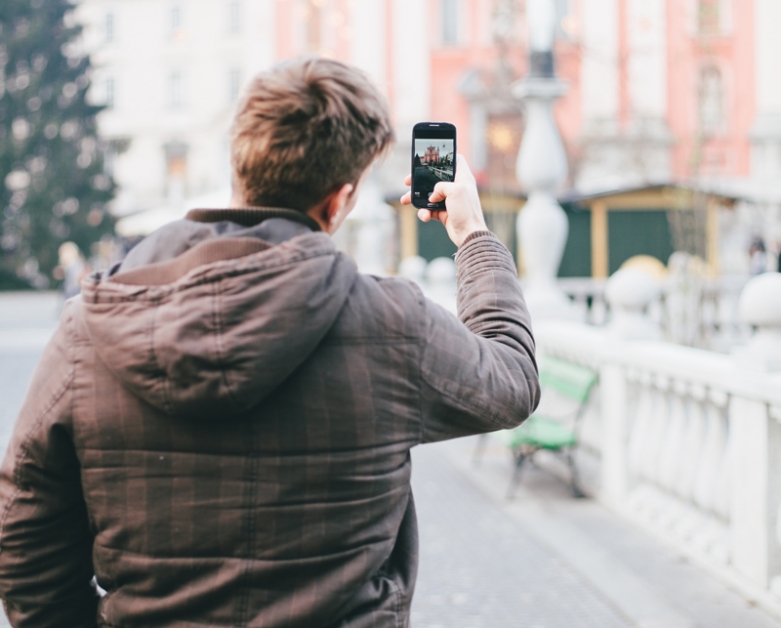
(232, 448)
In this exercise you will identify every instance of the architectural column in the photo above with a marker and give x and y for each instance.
(599, 78)
(260, 40)
(766, 133)
(411, 72)
(646, 28)
(368, 32)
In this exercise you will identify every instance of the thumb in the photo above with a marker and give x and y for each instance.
(441, 191)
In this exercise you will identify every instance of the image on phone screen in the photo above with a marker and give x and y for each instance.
(433, 160)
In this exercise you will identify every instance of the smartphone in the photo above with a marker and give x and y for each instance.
(433, 160)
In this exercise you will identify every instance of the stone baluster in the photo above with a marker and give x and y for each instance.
(721, 495)
(711, 486)
(672, 453)
(711, 458)
(629, 292)
(755, 454)
(693, 439)
(659, 426)
(642, 426)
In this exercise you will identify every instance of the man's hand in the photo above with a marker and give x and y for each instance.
(464, 214)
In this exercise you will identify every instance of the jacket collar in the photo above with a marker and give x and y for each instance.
(251, 216)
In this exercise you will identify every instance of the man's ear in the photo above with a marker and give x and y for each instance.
(334, 209)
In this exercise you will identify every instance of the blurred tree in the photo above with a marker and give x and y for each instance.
(53, 187)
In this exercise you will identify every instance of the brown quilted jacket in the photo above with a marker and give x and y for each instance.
(220, 430)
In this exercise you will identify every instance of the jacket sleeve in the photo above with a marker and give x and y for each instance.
(45, 541)
(479, 373)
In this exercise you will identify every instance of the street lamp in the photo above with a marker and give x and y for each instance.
(541, 169)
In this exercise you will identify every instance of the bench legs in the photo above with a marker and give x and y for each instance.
(521, 456)
(573, 469)
(519, 460)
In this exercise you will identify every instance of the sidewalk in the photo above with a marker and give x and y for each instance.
(545, 560)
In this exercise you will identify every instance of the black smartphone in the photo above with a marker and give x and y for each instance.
(433, 160)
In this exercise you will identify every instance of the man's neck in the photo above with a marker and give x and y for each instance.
(238, 202)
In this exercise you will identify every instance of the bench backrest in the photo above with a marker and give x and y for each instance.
(568, 379)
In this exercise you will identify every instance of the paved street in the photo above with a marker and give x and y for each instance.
(542, 560)
(545, 560)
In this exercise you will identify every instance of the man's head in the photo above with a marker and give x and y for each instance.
(304, 134)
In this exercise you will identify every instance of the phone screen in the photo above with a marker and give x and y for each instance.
(433, 160)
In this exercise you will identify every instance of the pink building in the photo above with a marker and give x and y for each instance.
(658, 90)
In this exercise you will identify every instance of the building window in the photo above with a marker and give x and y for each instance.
(234, 83)
(709, 17)
(234, 17)
(450, 18)
(109, 27)
(110, 93)
(176, 90)
(711, 101)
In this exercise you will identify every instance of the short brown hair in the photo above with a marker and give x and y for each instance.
(305, 128)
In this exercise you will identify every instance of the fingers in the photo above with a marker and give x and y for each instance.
(427, 215)
(464, 175)
(441, 191)
(406, 199)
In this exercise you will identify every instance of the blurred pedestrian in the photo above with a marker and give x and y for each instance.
(220, 430)
(778, 256)
(757, 256)
(73, 268)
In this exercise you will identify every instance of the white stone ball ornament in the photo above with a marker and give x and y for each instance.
(629, 292)
(413, 268)
(760, 306)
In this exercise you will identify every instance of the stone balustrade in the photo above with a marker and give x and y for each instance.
(688, 441)
(711, 312)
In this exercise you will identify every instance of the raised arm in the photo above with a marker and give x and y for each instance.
(45, 541)
(479, 372)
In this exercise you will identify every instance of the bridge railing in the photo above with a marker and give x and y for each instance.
(688, 440)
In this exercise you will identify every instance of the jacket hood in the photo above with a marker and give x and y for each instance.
(217, 329)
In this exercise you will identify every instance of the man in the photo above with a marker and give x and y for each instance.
(220, 429)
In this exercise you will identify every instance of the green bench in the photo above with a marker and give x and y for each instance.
(555, 434)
